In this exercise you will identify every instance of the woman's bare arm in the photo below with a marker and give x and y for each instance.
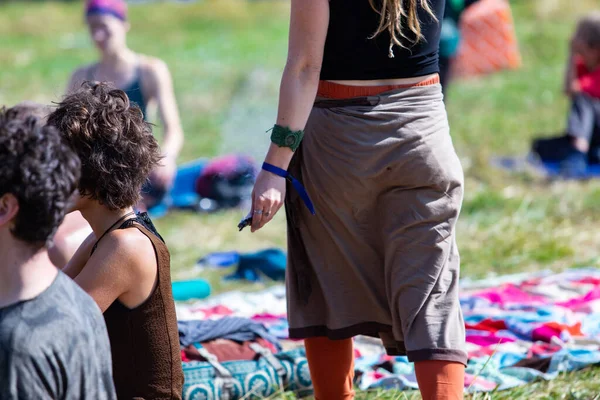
(309, 20)
(160, 86)
(80, 258)
(308, 30)
(570, 81)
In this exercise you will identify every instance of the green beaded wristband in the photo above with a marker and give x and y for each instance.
(285, 137)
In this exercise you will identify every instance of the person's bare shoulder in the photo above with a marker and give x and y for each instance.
(123, 267)
(79, 76)
(88, 243)
(132, 249)
(154, 69)
(153, 64)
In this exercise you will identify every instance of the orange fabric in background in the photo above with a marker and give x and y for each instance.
(488, 40)
(574, 330)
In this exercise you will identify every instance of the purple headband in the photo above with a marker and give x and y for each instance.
(116, 8)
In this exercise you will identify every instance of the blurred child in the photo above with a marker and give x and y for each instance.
(581, 144)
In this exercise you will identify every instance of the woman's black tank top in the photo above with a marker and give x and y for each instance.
(350, 54)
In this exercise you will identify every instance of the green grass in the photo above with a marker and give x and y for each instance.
(226, 58)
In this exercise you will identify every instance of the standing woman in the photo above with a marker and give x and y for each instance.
(362, 125)
(147, 82)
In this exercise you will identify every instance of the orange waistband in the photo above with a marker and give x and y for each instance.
(333, 90)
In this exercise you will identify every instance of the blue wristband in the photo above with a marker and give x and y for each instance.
(295, 182)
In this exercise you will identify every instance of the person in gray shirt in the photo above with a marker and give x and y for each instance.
(53, 340)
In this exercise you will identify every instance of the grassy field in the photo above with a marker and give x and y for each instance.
(226, 58)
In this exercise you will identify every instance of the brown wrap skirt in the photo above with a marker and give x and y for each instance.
(379, 258)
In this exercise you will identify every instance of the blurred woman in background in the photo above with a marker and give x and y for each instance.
(147, 82)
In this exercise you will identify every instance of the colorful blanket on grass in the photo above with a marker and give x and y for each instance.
(519, 328)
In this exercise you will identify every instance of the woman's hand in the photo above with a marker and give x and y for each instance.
(575, 87)
(267, 198)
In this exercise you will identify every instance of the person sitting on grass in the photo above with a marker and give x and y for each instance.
(581, 144)
(148, 83)
(53, 340)
(124, 263)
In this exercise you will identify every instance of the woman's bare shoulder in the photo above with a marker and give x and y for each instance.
(130, 248)
(153, 67)
(151, 63)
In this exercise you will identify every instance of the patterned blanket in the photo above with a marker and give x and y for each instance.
(519, 328)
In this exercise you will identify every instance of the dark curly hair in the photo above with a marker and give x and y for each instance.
(113, 141)
(31, 109)
(40, 170)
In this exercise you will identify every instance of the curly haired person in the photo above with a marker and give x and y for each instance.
(124, 264)
(53, 340)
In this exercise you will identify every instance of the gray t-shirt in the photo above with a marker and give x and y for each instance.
(55, 346)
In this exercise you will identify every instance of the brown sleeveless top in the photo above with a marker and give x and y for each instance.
(144, 341)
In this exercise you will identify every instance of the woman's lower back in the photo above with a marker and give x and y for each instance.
(386, 82)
